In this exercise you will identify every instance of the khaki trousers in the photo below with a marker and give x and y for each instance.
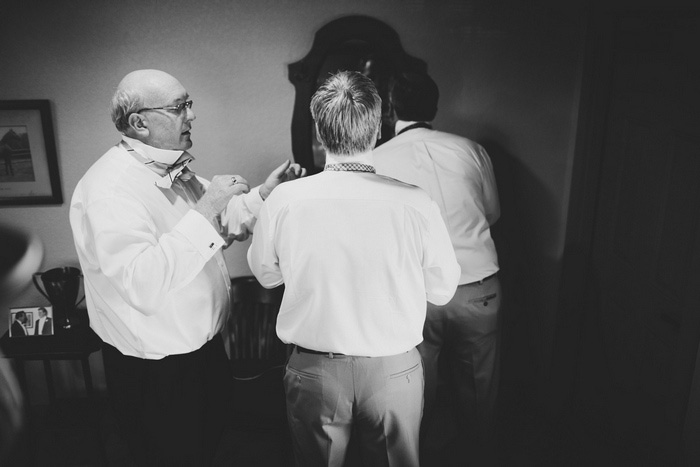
(382, 397)
(467, 329)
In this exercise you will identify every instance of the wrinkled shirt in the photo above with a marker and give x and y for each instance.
(457, 173)
(358, 254)
(156, 283)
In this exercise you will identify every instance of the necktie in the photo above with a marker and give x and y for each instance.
(177, 170)
(350, 167)
(169, 174)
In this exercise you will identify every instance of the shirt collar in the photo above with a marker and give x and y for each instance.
(366, 158)
(401, 124)
(164, 156)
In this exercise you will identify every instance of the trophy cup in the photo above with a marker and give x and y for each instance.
(61, 287)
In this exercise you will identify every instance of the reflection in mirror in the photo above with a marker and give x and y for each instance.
(357, 43)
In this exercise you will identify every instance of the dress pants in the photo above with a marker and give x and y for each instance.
(173, 411)
(381, 396)
(467, 328)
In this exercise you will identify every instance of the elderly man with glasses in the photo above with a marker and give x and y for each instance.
(149, 235)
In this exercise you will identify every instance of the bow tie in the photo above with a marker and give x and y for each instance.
(175, 171)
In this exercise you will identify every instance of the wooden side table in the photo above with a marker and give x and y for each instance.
(77, 343)
(74, 344)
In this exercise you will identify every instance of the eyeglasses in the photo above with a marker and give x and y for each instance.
(177, 108)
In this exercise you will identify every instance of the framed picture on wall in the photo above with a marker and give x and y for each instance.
(31, 321)
(28, 163)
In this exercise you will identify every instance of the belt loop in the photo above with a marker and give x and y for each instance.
(479, 282)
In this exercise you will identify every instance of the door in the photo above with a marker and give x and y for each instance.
(642, 318)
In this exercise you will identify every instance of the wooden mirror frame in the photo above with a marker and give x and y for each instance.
(349, 33)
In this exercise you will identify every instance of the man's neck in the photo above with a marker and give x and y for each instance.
(401, 124)
(360, 158)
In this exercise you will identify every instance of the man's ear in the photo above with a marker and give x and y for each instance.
(138, 123)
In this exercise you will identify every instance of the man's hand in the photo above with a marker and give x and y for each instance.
(284, 173)
(221, 189)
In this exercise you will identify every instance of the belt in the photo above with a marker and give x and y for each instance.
(318, 352)
(483, 280)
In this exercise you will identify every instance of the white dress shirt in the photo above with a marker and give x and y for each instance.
(40, 325)
(156, 283)
(457, 173)
(359, 254)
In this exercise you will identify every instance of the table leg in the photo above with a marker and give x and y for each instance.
(96, 412)
(49, 381)
(87, 376)
(22, 379)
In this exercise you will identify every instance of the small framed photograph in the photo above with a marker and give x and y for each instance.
(31, 321)
(28, 162)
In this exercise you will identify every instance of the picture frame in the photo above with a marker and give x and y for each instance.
(32, 324)
(28, 161)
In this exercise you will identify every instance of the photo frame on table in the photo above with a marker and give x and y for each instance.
(31, 319)
(28, 161)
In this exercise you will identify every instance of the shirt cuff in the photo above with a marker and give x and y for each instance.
(201, 234)
(254, 201)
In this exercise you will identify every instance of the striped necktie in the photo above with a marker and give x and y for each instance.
(177, 170)
(169, 174)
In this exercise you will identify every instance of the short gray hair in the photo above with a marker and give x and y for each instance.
(124, 103)
(347, 110)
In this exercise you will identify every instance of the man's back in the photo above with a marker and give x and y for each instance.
(457, 174)
(358, 255)
(18, 329)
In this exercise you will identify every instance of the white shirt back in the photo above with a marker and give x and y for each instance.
(358, 254)
(457, 173)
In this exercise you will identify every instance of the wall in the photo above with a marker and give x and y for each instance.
(508, 73)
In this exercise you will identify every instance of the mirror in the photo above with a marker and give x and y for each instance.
(357, 43)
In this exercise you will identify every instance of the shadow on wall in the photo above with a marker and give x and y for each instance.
(522, 356)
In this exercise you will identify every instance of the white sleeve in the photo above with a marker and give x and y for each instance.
(262, 255)
(440, 268)
(143, 265)
(492, 208)
(239, 217)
